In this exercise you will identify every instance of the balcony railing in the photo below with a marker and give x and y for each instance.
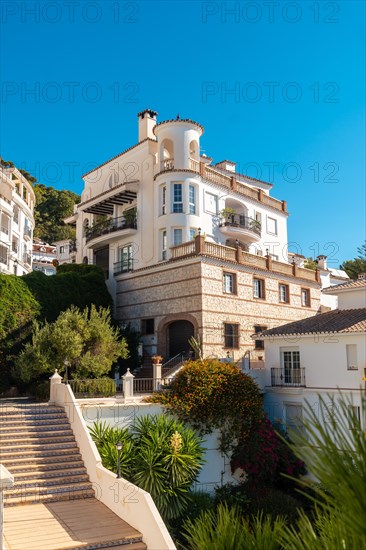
(27, 259)
(124, 266)
(109, 226)
(243, 222)
(167, 164)
(294, 377)
(14, 247)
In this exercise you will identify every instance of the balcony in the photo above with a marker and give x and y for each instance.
(292, 377)
(167, 164)
(27, 233)
(110, 230)
(27, 259)
(241, 227)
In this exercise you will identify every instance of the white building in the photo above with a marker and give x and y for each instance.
(65, 251)
(44, 256)
(189, 247)
(17, 201)
(317, 355)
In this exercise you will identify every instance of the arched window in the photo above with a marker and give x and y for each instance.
(85, 260)
(167, 155)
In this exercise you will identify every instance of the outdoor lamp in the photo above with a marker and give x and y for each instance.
(119, 447)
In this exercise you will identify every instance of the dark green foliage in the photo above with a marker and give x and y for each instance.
(77, 285)
(159, 454)
(52, 206)
(98, 387)
(84, 339)
(310, 263)
(354, 267)
(17, 310)
(132, 338)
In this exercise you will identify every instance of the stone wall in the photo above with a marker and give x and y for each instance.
(192, 289)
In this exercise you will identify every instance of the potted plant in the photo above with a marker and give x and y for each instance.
(156, 359)
(130, 217)
(227, 214)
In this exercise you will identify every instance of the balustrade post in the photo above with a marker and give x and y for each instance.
(269, 262)
(260, 195)
(199, 244)
(238, 254)
(127, 382)
(284, 206)
(157, 366)
(55, 380)
(233, 183)
(202, 169)
(294, 269)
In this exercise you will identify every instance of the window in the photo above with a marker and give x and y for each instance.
(192, 199)
(163, 199)
(177, 198)
(147, 326)
(284, 293)
(62, 249)
(3, 255)
(164, 245)
(229, 280)
(16, 215)
(271, 225)
(351, 351)
(125, 255)
(259, 344)
(192, 233)
(211, 203)
(258, 217)
(177, 236)
(258, 288)
(231, 335)
(305, 297)
(291, 372)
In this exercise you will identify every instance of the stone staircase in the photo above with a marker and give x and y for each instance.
(38, 448)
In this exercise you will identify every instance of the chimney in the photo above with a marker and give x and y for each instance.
(322, 262)
(362, 276)
(147, 121)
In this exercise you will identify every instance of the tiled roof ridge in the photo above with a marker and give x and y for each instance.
(179, 120)
(353, 283)
(331, 322)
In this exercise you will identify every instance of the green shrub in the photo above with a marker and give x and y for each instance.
(102, 387)
(159, 454)
(210, 395)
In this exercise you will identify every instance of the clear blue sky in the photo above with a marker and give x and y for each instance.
(296, 115)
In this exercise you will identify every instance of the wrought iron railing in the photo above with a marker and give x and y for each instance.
(109, 226)
(124, 266)
(176, 360)
(27, 259)
(236, 220)
(149, 385)
(27, 231)
(294, 377)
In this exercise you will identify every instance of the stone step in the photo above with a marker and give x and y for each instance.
(35, 449)
(43, 474)
(123, 544)
(36, 499)
(28, 424)
(25, 491)
(40, 459)
(35, 439)
(33, 427)
(29, 412)
(43, 467)
(45, 481)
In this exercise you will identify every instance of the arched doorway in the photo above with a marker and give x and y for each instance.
(178, 334)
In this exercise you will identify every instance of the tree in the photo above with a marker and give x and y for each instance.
(73, 285)
(210, 395)
(85, 339)
(354, 267)
(159, 454)
(52, 206)
(310, 263)
(17, 311)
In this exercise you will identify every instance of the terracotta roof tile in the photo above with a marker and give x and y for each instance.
(338, 320)
(359, 283)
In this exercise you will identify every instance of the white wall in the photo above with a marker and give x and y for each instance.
(216, 469)
(352, 298)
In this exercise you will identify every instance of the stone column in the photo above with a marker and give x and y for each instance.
(127, 381)
(55, 379)
(6, 482)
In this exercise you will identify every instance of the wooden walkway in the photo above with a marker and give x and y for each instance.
(66, 525)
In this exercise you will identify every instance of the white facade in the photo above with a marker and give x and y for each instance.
(43, 257)
(301, 366)
(176, 193)
(17, 201)
(65, 251)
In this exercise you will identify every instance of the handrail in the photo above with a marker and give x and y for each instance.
(294, 377)
(109, 226)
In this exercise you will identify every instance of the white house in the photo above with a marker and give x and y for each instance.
(65, 251)
(17, 201)
(318, 355)
(44, 256)
(189, 247)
